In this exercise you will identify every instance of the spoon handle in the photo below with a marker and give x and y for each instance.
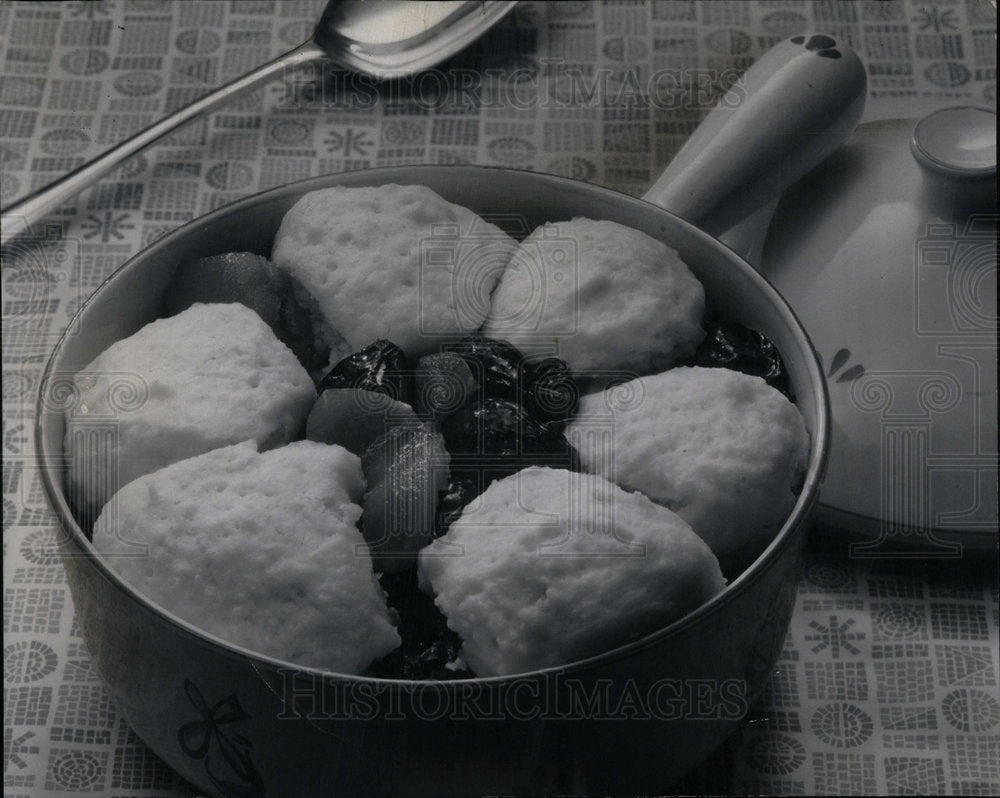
(22, 216)
(796, 105)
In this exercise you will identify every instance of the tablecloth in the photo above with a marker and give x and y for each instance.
(888, 680)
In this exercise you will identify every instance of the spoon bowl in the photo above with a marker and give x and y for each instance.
(399, 38)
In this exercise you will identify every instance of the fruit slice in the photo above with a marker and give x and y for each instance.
(255, 282)
(354, 419)
(404, 470)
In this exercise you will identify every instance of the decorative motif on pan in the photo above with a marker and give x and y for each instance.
(820, 44)
(899, 622)
(206, 740)
(296, 32)
(840, 359)
(11, 186)
(829, 576)
(76, 770)
(289, 132)
(23, 91)
(404, 132)
(40, 547)
(106, 226)
(16, 385)
(128, 169)
(835, 636)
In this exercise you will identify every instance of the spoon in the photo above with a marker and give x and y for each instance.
(385, 39)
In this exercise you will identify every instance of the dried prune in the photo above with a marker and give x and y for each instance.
(733, 346)
(429, 648)
(551, 394)
(443, 383)
(452, 500)
(496, 366)
(491, 440)
(381, 366)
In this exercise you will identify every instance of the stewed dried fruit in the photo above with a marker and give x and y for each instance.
(443, 383)
(493, 439)
(432, 440)
(354, 419)
(731, 345)
(405, 469)
(429, 649)
(381, 366)
(254, 281)
(461, 490)
(497, 367)
(551, 393)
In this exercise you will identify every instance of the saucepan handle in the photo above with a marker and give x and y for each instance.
(796, 105)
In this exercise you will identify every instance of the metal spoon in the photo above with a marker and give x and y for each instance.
(382, 38)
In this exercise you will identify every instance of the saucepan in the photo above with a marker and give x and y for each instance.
(236, 723)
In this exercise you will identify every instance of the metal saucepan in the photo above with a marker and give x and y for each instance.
(632, 719)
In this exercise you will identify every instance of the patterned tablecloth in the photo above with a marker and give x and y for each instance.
(888, 681)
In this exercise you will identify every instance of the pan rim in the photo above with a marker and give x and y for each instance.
(785, 537)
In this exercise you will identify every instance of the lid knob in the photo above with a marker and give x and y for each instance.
(956, 150)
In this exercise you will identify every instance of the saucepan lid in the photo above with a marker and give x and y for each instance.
(888, 254)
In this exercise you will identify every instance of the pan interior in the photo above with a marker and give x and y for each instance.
(516, 201)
